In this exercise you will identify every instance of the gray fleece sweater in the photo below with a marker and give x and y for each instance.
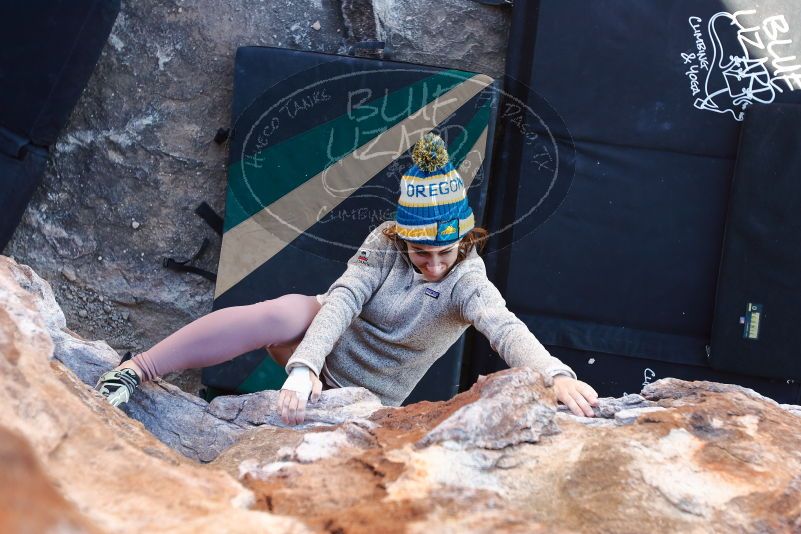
(381, 325)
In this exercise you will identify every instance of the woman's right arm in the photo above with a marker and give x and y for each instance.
(343, 302)
(345, 298)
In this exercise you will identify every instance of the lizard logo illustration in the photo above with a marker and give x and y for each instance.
(746, 64)
(735, 80)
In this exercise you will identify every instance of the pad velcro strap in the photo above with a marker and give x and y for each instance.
(184, 267)
(215, 222)
(207, 213)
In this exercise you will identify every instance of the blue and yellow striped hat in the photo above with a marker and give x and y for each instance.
(432, 208)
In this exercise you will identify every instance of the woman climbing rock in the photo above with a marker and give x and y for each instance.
(408, 294)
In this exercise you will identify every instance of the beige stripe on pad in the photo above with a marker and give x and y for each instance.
(472, 162)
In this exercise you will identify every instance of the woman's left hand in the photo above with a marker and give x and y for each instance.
(576, 395)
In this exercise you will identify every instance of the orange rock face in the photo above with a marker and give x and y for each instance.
(708, 458)
(31, 502)
(114, 472)
(679, 457)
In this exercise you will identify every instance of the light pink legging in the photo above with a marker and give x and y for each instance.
(226, 333)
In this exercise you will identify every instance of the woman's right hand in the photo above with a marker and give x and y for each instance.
(292, 403)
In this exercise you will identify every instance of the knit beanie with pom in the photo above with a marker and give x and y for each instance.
(432, 208)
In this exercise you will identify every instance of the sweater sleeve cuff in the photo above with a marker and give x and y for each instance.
(300, 362)
(567, 371)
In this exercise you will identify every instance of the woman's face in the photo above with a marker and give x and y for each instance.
(433, 262)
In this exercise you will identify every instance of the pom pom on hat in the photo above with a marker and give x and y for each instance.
(429, 153)
(432, 208)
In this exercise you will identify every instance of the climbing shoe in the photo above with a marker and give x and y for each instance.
(118, 386)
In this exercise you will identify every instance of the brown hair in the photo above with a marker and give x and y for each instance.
(475, 238)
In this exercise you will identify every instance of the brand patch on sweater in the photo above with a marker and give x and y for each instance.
(364, 256)
(431, 293)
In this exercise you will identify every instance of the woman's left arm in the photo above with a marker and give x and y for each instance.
(481, 304)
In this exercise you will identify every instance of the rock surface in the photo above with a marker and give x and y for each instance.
(31, 502)
(186, 423)
(679, 457)
(138, 154)
(118, 476)
(462, 34)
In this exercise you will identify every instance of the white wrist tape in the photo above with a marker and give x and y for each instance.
(299, 381)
